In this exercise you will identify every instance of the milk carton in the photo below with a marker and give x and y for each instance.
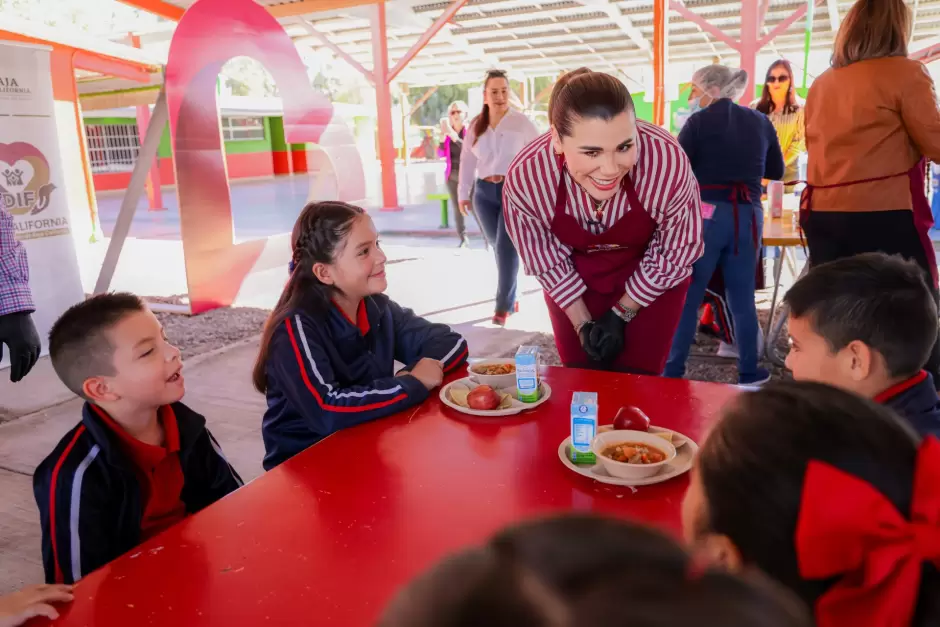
(527, 374)
(583, 427)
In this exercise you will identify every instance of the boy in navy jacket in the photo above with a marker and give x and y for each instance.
(867, 324)
(329, 349)
(139, 461)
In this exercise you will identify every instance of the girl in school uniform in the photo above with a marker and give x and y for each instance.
(829, 493)
(329, 348)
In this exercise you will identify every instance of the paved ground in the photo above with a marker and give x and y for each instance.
(269, 206)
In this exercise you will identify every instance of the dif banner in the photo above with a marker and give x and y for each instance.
(32, 187)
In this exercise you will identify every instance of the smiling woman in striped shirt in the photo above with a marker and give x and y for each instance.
(605, 212)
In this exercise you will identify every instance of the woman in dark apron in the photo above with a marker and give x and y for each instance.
(871, 120)
(604, 211)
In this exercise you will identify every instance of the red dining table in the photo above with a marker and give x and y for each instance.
(328, 537)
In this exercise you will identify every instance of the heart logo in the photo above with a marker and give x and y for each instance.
(15, 178)
(24, 179)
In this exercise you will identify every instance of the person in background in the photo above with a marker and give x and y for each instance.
(731, 149)
(328, 350)
(830, 494)
(454, 130)
(866, 324)
(17, 330)
(587, 570)
(494, 139)
(871, 119)
(19, 607)
(778, 101)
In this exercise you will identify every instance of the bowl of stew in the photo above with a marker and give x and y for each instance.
(632, 454)
(496, 373)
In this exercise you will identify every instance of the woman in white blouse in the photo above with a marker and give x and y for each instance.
(495, 138)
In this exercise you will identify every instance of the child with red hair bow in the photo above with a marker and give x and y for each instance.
(829, 493)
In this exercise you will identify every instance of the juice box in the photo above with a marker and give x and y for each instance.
(527, 374)
(583, 427)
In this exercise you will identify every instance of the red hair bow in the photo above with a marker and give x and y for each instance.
(848, 529)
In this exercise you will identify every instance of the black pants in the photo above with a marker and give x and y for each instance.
(833, 235)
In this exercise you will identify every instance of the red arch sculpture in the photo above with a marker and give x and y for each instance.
(210, 33)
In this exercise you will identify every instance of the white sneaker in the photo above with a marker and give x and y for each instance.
(730, 351)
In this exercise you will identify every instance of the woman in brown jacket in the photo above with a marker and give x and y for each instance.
(872, 121)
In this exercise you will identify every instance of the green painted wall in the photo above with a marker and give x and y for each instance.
(274, 130)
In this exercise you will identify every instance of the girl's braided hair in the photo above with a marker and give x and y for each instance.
(319, 232)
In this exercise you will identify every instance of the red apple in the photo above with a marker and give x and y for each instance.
(631, 418)
(483, 397)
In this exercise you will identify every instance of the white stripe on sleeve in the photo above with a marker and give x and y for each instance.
(74, 510)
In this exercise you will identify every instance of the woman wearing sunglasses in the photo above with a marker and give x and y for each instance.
(454, 129)
(778, 101)
(494, 139)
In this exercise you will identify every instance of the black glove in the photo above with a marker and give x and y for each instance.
(607, 336)
(18, 332)
(584, 333)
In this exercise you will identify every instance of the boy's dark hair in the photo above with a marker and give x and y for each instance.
(753, 464)
(318, 233)
(586, 570)
(78, 346)
(874, 298)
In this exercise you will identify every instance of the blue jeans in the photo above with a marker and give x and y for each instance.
(488, 202)
(739, 274)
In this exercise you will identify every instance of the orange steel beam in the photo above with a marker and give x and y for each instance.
(157, 7)
(928, 54)
(108, 65)
(659, 62)
(705, 25)
(421, 101)
(91, 61)
(428, 35)
(784, 25)
(383, 106)
(288, 9)
(292, 9)
(339, 52)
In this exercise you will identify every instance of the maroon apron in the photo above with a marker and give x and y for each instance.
(923, 217)
(605, 262)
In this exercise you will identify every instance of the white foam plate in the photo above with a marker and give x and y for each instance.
(678, 466)
(517, 405)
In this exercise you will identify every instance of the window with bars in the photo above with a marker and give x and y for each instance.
(112, 147)
(240, 128)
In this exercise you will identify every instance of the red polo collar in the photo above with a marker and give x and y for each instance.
(903, 386)
(362, 317)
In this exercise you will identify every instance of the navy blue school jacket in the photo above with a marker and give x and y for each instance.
(324, 374)
(916, 401)
(89, 496)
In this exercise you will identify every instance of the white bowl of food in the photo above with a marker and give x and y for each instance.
(496, 373)
(632, 454)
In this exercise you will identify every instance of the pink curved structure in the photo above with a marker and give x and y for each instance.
(210, 33)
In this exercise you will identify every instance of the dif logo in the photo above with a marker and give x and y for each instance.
(24, 179)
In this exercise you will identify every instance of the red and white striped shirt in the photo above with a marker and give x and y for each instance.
(665, 186)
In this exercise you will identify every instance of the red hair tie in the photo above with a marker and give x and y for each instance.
(847, 529)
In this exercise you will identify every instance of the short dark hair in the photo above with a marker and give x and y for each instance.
(753, 463)
(583, 93)
(587, 570)
(77, 343)
(874, 298)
